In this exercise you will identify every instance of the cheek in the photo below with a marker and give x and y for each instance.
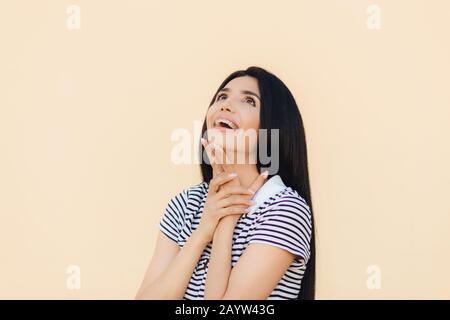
(251, 120)
(255, 125)
(209, 115)
(250, 123)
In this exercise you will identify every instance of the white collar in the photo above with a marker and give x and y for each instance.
(270, 188)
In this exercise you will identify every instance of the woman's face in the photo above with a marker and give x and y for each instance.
(235, 112)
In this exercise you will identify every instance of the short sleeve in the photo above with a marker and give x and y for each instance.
(287, 225)
(172, 221)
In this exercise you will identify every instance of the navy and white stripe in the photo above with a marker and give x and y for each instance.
(283, 220)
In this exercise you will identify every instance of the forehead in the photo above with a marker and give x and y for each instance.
(243, 83)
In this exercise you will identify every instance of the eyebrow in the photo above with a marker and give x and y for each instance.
(242, 91)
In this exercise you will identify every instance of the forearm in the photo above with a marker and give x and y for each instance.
(173, 282)
(219, 268)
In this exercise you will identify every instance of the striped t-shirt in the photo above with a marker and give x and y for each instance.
(281, 218)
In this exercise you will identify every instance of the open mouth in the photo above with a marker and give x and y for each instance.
(225, 123)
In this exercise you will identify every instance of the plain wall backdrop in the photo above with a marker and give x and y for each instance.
(86, 117)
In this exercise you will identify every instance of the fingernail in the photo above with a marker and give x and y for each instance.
(265, 174)
(203, 141)
(251, 191)
(233, 174)
(252, 202)
(246, 210)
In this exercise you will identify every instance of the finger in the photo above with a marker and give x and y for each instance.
(219, 180)
(221, 157)
(259, 181)
(212, 147)
(227, 191)
(234, 210)
(218, 166)
(235, 200)
(217, 169)
(209, 151)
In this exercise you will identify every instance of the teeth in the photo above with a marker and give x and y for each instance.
(231, 124)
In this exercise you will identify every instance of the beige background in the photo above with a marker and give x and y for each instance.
(86, 118)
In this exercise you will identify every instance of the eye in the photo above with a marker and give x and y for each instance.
(252, 101)
(220, 96)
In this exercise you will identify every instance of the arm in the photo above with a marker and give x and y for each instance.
(219, 268)
(282, 233)
(170, 271)
(253, 277)
(257, 272)
(171, 268)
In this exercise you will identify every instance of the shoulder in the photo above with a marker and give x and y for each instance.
(291, 197)
(289, 204)
(180, 206)
(193, 194)
(285, 221)
(197, 190)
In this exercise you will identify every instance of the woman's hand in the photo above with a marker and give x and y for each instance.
(223, 200)
(220, 163)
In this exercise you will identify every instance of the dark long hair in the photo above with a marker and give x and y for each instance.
(279, 111)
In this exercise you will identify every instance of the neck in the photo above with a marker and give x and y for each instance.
(247, 173)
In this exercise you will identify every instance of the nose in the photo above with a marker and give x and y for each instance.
(226, 107)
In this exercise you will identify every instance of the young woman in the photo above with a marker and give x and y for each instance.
(244, 232)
